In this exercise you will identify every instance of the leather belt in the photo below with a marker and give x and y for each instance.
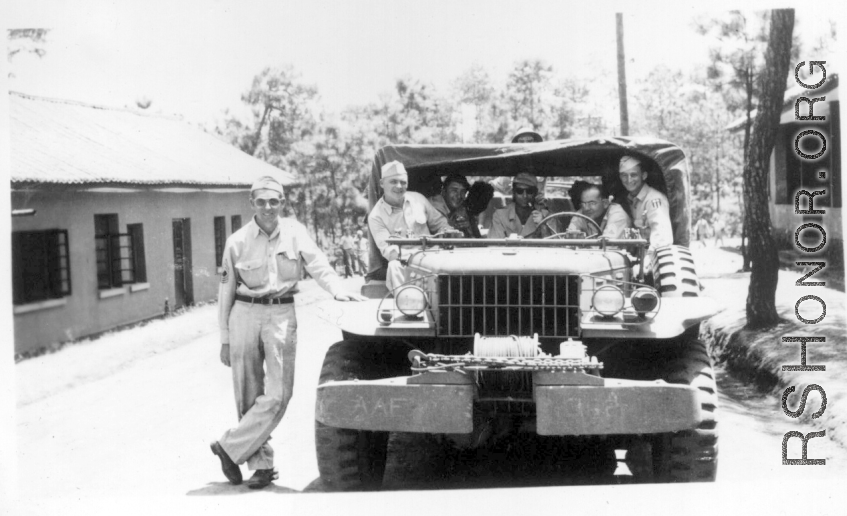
(264, 300)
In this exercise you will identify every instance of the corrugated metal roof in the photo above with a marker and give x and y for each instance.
(66, 142)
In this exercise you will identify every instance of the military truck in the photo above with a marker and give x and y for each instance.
(565, 335)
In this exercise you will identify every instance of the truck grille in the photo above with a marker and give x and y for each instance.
(508, 305)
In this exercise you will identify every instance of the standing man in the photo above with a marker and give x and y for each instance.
(261, 266)
(400, 213)
(595, 203)
(521, 217)
(362, 252)
(701, 231)
(650, 209)
(347, 254)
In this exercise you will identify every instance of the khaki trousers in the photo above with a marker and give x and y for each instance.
(263, 348)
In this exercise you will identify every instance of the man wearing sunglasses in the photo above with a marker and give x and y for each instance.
(522, 216)
(594, 202)
(261, 267)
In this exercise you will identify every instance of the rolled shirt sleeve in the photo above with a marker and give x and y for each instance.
(659, 220)
(226, 290)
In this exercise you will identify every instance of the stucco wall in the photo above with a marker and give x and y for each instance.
(84, 312)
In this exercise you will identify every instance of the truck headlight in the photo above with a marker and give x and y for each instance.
(645, 300)
(411, 301)
(608, 300)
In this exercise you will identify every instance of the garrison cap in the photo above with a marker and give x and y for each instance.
(267, 183)
(628, 162)
(393, 168)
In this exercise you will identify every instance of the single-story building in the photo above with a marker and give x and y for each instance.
(790, 173)
(117, 216)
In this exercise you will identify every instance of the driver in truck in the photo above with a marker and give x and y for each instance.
(400, 213)
(594, 202)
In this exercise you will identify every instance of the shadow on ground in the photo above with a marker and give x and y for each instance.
(225, 488)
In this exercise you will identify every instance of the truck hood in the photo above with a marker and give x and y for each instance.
(524, 260)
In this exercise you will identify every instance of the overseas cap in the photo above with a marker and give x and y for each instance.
(628, 162)
(525, 179)
(267, 183)
(527, 131)
(393, 168)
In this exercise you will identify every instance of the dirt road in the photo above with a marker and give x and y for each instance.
(140, 427)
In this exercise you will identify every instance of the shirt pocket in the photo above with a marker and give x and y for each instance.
(253, 273)
(288, 269)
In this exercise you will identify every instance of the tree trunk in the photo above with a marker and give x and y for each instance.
(748, 84)
(257, 138)
(761, 296)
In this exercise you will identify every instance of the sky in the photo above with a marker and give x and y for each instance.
(195, 58)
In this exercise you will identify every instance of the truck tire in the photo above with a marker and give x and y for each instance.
(355, 459)
(690, 455)
(673, 272)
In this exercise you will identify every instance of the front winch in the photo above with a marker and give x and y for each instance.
(509, 354)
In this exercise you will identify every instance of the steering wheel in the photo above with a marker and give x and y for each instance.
(546, 219)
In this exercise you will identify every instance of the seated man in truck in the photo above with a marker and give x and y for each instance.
(522, 216)
(594, 201)
(649, 207)
(402, 214)
(451, 203)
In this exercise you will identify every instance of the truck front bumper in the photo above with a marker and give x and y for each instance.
(565, 404)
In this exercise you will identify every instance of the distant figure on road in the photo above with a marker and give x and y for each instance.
(701, 231)
(261, 267)
(347, 254)
(361, 250)
(719, 228)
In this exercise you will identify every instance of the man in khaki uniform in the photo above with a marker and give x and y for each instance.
(400, 213)
(523, 215)
(650, 209)
(595, 203)
(261, 266)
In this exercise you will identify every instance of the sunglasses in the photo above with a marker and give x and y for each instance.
(273, 203)
(526, 191)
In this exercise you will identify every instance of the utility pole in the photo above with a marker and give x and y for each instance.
(622, 77)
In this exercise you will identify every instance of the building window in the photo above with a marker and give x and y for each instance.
(117, 253)
(220, 239)
(795, 173)
(136, 233)
(236, 223)
(40, 265)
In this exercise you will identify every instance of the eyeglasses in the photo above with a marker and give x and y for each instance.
(273, 203)
(526, 191)
(591, 204)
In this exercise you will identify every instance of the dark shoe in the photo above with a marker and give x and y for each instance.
(231, 470)
(262, 478)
